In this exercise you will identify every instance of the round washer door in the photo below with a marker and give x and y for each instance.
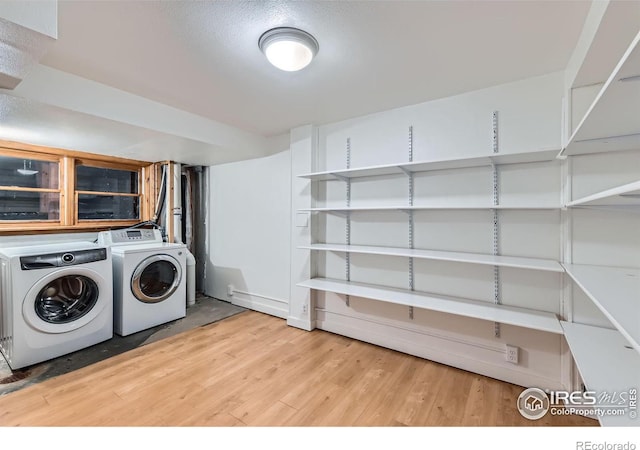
(156, 278)
(65, 300)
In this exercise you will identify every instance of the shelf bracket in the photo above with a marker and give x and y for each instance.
(340, 177)
(406, 171)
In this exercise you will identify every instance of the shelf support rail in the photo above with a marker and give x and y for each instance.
(348, 219)
(411, 222)
(496, 225)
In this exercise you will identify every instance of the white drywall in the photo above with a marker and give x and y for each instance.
(529, 116)
(249, 233)
(252, 253)
(302, 150)
(197, 139)
(38, 15)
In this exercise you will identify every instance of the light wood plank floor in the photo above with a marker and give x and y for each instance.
(252, 369)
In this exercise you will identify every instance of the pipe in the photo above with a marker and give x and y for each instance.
(177, 204)
(161, 195)
(191, 279)
(177, 233)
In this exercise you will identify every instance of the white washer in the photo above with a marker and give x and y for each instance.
(55, 299)
(149, 279)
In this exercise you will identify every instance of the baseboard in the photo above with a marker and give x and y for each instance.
(431, 348)
(300, 323)
(262, 305)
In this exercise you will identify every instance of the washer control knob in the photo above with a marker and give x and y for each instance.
(68, 258)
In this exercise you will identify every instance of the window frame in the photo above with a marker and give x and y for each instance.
(68, 160)
(109, 165)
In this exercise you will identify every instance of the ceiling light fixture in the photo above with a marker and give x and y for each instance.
(288, 49)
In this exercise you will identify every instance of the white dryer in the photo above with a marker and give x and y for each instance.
(149, 279)
(55, 299)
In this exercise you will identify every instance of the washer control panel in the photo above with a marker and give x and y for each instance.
(62, 259)
(129, 236)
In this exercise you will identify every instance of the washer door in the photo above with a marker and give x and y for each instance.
(156, 278)
(65, 300)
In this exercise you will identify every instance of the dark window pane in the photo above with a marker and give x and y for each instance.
(107, 207)
(29, 173)
(21, 205)
(106, 180)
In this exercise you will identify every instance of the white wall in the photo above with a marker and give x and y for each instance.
(38, 15)
(530, 113)
(147, 130)
(249, 233)
(254, 228)
(602, 237)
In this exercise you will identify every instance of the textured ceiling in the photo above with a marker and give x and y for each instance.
(203, 57)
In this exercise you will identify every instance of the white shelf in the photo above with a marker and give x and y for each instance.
(472, 258)
(616, 292)
(626, 195)
(441, 164)
(521, 317)
(421, 208)
(606, 363)
(611, 123)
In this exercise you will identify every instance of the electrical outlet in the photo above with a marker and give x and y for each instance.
(304, 309)
(230, 290)
(512, 354)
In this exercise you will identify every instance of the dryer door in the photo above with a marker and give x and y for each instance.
(65, 300)
(156, 278)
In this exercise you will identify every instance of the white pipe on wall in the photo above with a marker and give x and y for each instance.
(176, 217)
(191, 279)
(176, 214)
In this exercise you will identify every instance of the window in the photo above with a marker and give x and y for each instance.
(29, 188)
(107, 194)
(53, 189)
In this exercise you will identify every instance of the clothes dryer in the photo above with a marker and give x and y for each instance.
(149, 279)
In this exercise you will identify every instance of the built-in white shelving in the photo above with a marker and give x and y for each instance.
(609, 359)
(471, 258)
(611, 122)
(607, 364)
(522, 317)
(441, 164)
(616, 292)
(345, 209)
(626, 195)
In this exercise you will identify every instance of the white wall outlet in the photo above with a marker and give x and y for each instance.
(230, 290)
(304, 309)
(511, 354)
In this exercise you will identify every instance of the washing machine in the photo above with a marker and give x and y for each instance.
(54, 299)
(149, 279)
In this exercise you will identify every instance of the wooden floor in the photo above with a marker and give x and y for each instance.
(252, 369)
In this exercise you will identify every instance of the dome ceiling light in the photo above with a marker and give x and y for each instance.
(288, 49)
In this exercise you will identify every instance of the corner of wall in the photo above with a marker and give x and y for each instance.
(303, 145)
